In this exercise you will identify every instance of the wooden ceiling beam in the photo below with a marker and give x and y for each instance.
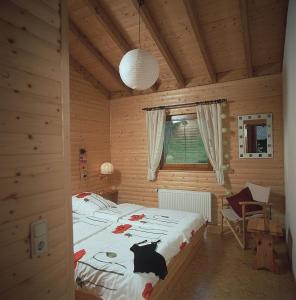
(191, 12)
(108, 24)
(159, 41)
(246, 35)
(96, 53)
(89, 77)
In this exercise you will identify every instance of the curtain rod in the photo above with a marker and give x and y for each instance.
(185, 104)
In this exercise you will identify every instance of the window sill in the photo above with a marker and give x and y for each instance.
(231, 171)
(187, 171)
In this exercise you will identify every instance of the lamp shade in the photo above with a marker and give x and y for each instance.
(107, 168)
(138, 69)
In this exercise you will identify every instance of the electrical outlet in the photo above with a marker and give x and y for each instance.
(39, 237)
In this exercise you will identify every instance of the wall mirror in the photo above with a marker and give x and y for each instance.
(255, 136)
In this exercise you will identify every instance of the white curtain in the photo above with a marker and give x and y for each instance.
(210, 126)
(155, 122)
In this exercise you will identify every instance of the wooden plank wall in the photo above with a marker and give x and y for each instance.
(34, 144)
(128, 142)
(90, 130)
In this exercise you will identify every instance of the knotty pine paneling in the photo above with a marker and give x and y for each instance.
(34, 155)
(90, 130)
(128, 142)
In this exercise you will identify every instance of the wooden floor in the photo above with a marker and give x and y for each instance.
(222, 271)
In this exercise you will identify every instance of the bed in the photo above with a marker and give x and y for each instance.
(103, 234)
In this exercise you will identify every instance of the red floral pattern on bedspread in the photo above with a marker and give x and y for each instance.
(183, 245)
(147, 290)
(82, 195)
(78, 255)
(136, 217)
(121, 228)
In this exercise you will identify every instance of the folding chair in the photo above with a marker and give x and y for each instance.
(261, 195)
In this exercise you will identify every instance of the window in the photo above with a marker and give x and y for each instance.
(183, 146)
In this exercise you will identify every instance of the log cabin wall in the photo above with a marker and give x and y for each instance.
(34, 149)
(90, 130)
(247, 96)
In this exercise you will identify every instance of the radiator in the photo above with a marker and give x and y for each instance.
(192, 201)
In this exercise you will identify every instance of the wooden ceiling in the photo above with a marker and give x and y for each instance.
(196, 42)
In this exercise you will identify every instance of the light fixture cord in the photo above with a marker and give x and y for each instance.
(139, 13)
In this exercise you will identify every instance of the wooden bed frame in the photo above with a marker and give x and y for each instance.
(162, 290)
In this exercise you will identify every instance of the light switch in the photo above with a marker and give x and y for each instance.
(39, 242)
(40, 228)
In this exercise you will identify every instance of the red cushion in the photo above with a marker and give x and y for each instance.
(243, 196)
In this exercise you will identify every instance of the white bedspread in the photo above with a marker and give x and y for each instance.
(106, 267)
(84, 226)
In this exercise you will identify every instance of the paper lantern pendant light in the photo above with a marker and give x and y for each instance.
(138, 69)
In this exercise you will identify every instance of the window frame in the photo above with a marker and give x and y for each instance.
(183, 167)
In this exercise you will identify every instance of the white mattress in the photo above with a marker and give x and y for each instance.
(113, 277)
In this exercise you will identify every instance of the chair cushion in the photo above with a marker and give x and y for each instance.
(243, 196)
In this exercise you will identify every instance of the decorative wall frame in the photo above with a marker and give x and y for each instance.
(254, 147)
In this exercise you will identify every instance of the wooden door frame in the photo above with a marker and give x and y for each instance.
(65, 86)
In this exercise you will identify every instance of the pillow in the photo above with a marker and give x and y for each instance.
(244, 195)
(88, 202)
